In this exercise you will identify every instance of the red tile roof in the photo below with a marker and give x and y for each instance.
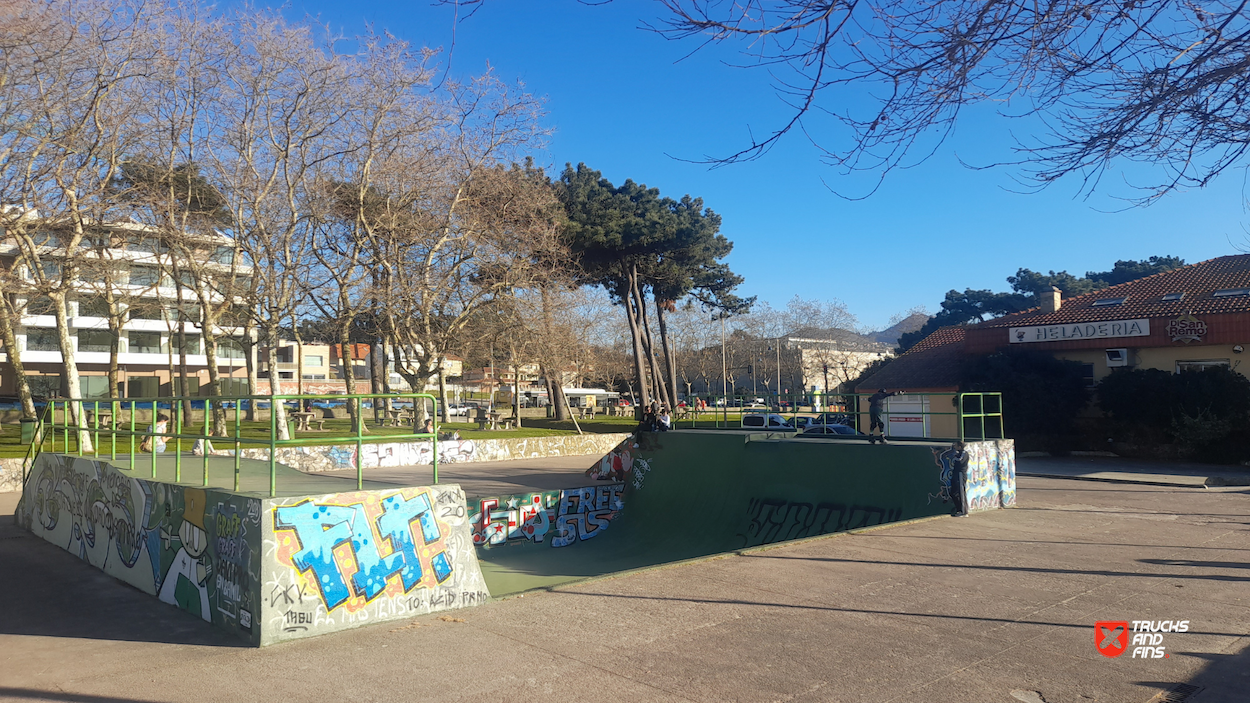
(1144, 297)
(934, 362)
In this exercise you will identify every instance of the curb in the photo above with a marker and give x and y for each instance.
(1113, 480)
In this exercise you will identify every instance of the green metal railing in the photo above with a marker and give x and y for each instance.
(82, 417)
(977, 415)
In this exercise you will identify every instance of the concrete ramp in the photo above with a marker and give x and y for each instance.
(672, 496)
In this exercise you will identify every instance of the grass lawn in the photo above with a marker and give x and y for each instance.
(258, 433)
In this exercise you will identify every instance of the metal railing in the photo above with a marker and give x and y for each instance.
(975, 415)
(83, 418)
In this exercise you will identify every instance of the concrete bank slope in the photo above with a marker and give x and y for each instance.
(673, 496)
(262, 569)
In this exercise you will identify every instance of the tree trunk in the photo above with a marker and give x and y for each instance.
(276, 407)
(386, 378)
(562, 403)
(442, 394)
(516, 388)
(248, 345)
(73, 386)
(15, 360)
(115, 385)
(188, 413)
(349, 376)
(643, 399)
(660, 387)
(670, 368)
(375, 381)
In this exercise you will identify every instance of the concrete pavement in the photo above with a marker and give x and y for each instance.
(1140, 471)
(996, 607)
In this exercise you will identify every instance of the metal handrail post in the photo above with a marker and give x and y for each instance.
(273, 445)
(434, 439)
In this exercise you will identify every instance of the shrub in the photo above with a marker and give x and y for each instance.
(1197, 409)
(1041, 394)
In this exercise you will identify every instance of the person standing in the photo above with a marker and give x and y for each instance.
(876, 405)
(959, 480)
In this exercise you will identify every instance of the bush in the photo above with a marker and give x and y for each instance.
(1042, 395)
(1197, 409)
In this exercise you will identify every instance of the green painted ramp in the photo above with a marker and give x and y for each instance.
(690, 494)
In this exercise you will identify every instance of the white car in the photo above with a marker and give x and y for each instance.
(455, 409)
(771, 421)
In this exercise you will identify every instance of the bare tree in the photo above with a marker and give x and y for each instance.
(1162, 82)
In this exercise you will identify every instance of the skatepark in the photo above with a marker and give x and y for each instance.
(271, 553)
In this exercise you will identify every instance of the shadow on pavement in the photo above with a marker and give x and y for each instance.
(30, 694)
(47, 592)
(1224, 679)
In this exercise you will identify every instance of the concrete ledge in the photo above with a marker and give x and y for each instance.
(315, 459)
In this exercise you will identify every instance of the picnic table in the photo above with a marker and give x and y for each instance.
(588, 413)
(103, 417)
(490, 420)
(302, 418)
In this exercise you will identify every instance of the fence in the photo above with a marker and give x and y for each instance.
(81, 418)
(972, 416)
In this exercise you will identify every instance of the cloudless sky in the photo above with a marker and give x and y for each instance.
(622, 100)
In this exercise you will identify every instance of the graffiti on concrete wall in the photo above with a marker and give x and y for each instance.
(777, 520)
(567, 517)
(343, 559)
(991, 474)
(944, 457)
(194, 548)
(991, 481)
(614, 465)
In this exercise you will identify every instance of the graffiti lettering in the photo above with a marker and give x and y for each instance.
(777, 520)
(321, 529)
(575, 514)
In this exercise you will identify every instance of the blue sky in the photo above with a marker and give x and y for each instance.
(619, 99)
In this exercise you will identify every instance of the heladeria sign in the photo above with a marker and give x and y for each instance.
(1086, 330)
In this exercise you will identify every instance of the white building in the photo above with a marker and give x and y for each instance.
(137, 266)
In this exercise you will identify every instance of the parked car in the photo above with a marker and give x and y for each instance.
(831, 419)
(819, 431)
(770, 421)
(623, 403)
(802, 422)
(455, 409)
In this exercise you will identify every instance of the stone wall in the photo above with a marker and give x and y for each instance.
(313, 459)
(10, 475)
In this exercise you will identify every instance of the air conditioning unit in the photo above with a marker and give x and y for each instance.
(1117, 358)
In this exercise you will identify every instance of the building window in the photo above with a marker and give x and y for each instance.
(1087, 374)
(223, 255)
(144, 342)
(43, 305)
(1173, 296)
(145, 276)
(146, 311)
(286, 375)
(1200, 364)
(314, 360)
(1231, 293)
(314, 377)
(229, 349)
(42, 340)
(149, 245)
(93, 307)
(187, 313)
(44, 386)
(95, 340)
(193, 344)
(1108, 301)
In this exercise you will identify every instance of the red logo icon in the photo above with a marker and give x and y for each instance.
(1111, 637)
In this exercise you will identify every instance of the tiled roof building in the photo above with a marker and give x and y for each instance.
(1188, 318)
